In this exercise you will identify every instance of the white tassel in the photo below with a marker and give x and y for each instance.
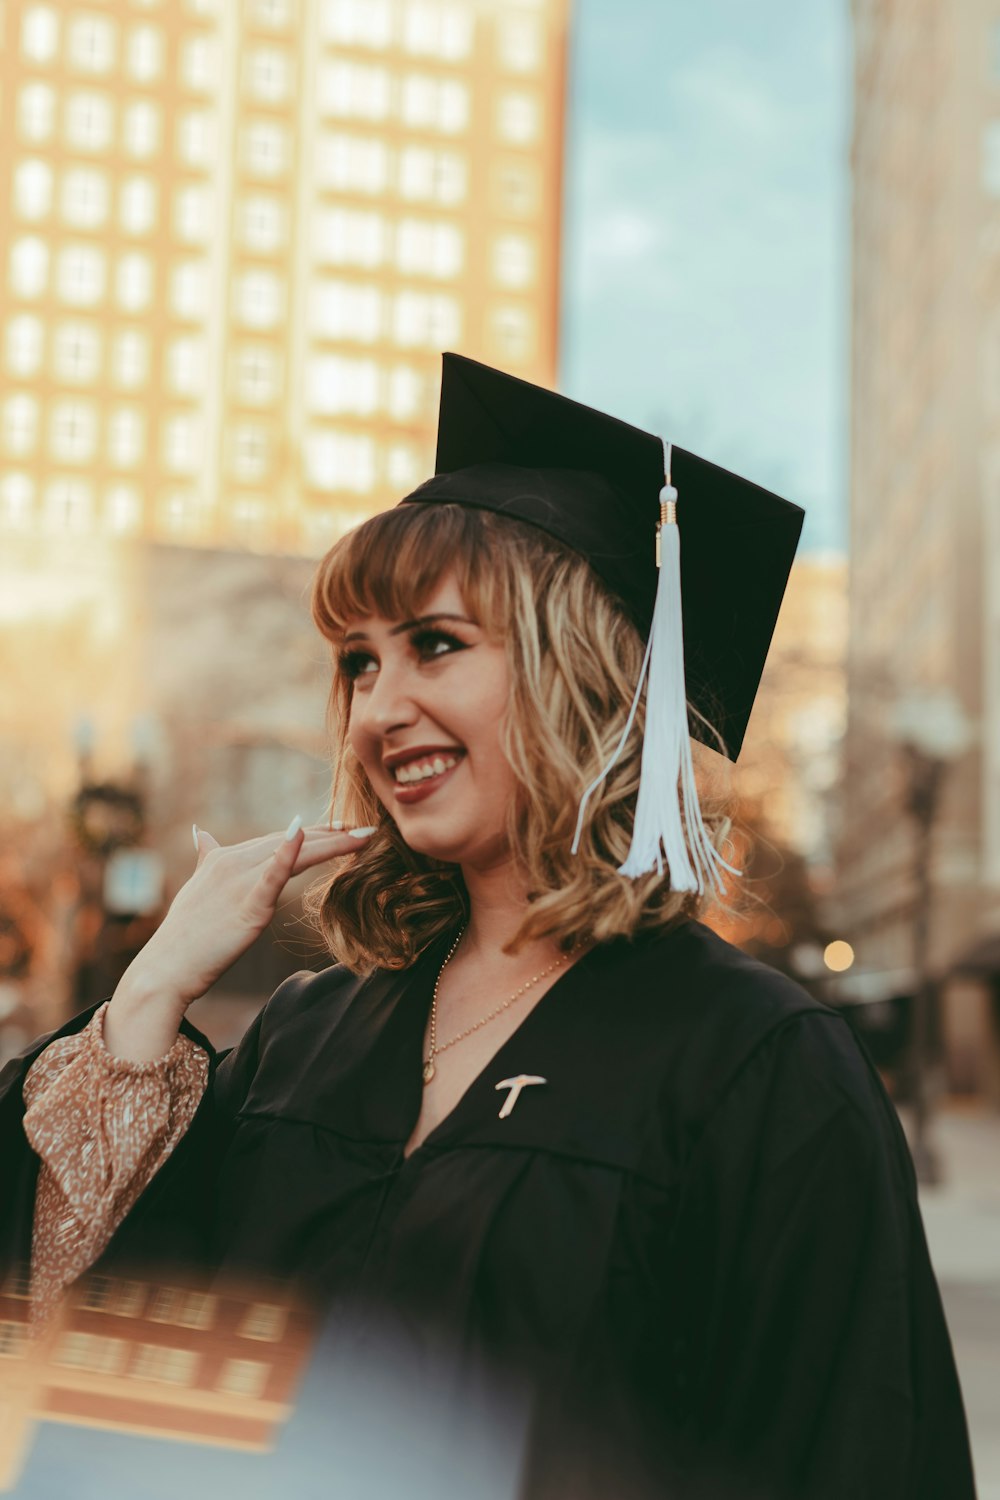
(663, 814)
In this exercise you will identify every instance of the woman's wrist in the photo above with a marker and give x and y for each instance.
(144, 1017)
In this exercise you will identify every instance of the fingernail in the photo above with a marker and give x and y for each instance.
(337, 824)
(293, 828)
(194, 835)
(360, 833)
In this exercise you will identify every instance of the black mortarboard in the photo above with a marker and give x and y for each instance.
(595, 483)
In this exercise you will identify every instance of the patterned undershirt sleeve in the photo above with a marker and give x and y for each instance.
(103, 1126)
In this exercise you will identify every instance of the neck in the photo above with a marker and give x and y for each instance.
(497, 905)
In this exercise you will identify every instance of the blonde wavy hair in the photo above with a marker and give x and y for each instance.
(574, 658)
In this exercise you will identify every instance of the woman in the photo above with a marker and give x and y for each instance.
(552, 1150)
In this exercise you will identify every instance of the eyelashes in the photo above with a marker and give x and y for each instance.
(350, 663)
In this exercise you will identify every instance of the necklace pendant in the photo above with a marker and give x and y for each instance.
(429, 1070)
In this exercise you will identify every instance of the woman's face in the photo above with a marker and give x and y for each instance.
(434, 685)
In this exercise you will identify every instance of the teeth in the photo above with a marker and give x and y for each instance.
(436, 767)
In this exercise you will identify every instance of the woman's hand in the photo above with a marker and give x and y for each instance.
(213, 919)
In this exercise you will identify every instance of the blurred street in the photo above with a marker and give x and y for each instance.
(962, 1218)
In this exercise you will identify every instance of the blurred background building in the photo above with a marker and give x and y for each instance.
(924, 581)
(235, 239)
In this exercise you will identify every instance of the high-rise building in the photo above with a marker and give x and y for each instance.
(236, 236)
(925, 480)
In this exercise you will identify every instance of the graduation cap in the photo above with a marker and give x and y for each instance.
(625, 500)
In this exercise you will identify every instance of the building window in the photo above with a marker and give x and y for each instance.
(432, 176)
(336, 384)
(173, 1366)
(189, 291)
(20, 425)
(29, 267)
(517, 189)
(126, 437)
(352, 163)
(340, 310)
(142, 128)
(518, 118)
(39, 33)
(137, 205)
(354, 90)
(357, 23)
(134, 282)
(84, 197)
(275, 15)
(176, 1304)
(13, 1339)
(259, 297)
(145, 53)
(262, 223)
(123, 517)
(90, 1351)
(267, 75)
(68, 505)
(17, 498)
(345, 236)
(186, 367)
(192, 215)
(199, 66)
(243, 1377)
(130, 359)
(184, 453)
(429, 249)
(519, 44)
(77, 353)
(33, 189)
(405, 397)
(196, 139)
(264, 1320)
(89, 121)
(250, 520)
(514, 260)
(434, 103)
(438, 30)
(80, 275)
(36, 111)
(426, 320)
(340, 461)
(248, 453)
(73, 432)
(93, 44)
(23, 345)
(402, 466)
(179, 514)
(265, 149)
(512, 331)
(256, 375)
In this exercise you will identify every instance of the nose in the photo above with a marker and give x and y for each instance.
(388, 705)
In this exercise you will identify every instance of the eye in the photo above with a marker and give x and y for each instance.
(352, 663)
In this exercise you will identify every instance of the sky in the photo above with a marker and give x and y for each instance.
(706, 235)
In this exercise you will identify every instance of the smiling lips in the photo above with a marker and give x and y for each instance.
(422, 770)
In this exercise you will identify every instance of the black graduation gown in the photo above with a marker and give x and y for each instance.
(695, 1251)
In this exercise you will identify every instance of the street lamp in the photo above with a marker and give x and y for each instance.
(931, 731)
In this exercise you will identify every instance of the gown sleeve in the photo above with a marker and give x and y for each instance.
(102, 1127)
(171, 1223)
(818, 1361)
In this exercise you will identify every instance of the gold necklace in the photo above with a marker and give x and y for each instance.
(429, 1067)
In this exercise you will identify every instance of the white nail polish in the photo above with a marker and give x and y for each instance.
(194, 835)
(293, 828)
(337, 824)
(361, 833)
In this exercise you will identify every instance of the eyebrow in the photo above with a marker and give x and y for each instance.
(357, 635)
